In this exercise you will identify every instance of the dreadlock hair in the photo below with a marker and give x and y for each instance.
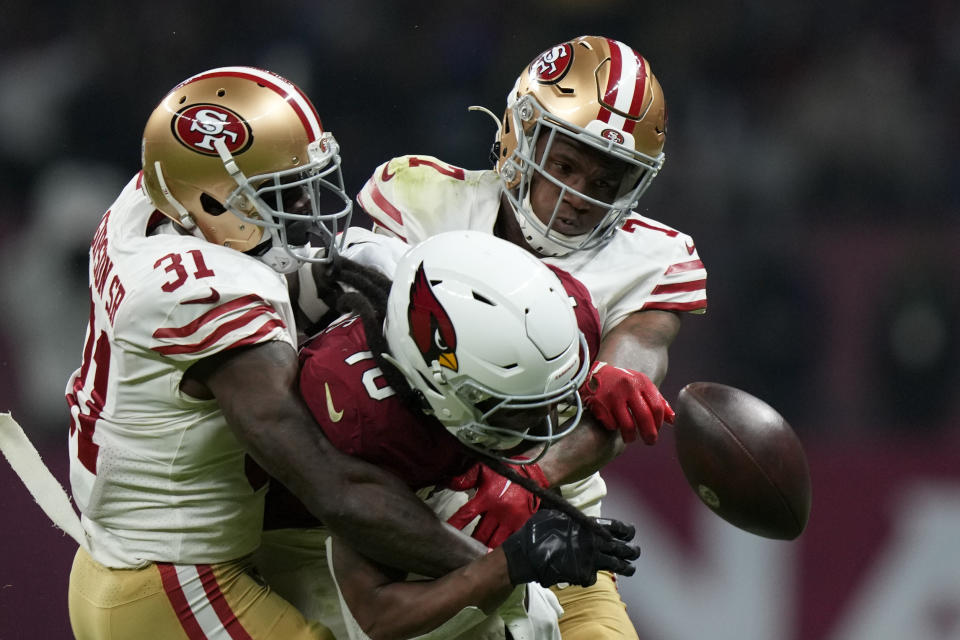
(368, 299)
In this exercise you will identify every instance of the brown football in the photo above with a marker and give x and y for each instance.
(742, 459)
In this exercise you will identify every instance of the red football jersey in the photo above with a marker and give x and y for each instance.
(364, 417)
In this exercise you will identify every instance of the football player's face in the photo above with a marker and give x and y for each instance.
(581, 168)
(533, 421)
(523, 420)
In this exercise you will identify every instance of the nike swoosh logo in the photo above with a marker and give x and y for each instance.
(691, 248)
(331, 411)
(213, 298)
(385, 175)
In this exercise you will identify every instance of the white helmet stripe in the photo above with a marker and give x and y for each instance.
(625, 85)
(629, 70)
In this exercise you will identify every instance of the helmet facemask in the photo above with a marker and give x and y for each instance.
(531, 123)
(498, 425)
(295, 207)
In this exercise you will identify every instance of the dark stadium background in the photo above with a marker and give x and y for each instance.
(812, 153)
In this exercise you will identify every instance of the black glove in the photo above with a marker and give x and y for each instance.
(552, 547)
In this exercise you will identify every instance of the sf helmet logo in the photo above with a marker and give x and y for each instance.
(613, 135)
(551, 65)
(430, 326)
(198, 126)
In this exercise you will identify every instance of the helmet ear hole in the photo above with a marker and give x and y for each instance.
(211, 205)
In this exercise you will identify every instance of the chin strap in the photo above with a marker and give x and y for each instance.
(535, 233)
(185, 219)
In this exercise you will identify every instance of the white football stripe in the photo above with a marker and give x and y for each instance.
(629, 68)
(199, 604)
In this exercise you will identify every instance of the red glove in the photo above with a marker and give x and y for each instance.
(625, 400)
(503, 507)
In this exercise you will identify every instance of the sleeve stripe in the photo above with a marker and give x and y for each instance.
(693, 285)
(246, 319)
(379, 200)
(261, 333)
(680, 267)
(696, 305)
(209, 316)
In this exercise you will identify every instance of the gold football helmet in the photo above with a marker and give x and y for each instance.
(240, 154)
(600, 92)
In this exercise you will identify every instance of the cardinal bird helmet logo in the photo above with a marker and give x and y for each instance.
(430, 326)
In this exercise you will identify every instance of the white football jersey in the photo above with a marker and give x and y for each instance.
(646, 265)
(157, 475)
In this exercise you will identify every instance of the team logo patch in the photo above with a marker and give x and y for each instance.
(551, 65)
(612, 134)
(430, 326)
(198, 126)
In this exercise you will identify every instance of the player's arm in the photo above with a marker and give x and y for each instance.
(386, 606)
(256, 388)
(639, 343)
(550, 548)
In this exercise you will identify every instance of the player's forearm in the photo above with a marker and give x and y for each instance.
(641, 342)
(257, 392)
(385, 521)
(409, 609)
(587, 450)
(364, 504)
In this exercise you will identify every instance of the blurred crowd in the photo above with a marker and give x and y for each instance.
(810, 153)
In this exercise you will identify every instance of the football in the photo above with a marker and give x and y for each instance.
(742, 459)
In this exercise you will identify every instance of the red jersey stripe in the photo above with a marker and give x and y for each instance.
(676, 306)
(209, 316)
(383, 203)
(247, 318)
(220, 605)
(171, 585)
(260, 334)
(680, 267)
(693, 285)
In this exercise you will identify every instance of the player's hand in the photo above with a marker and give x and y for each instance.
(626, 400)
(552, 547)
(503, 506)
